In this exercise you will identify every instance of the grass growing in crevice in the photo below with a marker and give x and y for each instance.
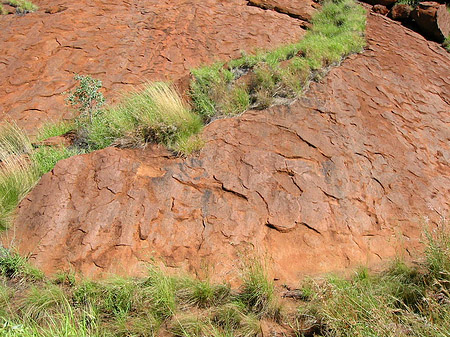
(401, 301)
(155, 114)
(258, 81)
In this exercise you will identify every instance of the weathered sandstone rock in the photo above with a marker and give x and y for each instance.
(433, 20)
(380, 9)
(400, 12)
(301, 9)
(340, 178)
(124, 44)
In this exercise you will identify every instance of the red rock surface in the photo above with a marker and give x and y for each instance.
(340, 178)
(123, 43)
(302, 9)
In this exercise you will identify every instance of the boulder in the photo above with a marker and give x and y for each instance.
(400, 12)
(433, 19)
(380, 9)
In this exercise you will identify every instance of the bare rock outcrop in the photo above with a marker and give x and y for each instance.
(343, 177)
(124, 44)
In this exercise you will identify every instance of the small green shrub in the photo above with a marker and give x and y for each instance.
(86, 97)
(412, 3)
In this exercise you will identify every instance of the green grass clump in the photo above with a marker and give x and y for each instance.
(201, 294)
(258, 292)
(21, 166)
(45, 158)
(22, 6)
(337, 31)
(155, 114)
(17, 173)
(55, 129)
(12, 265)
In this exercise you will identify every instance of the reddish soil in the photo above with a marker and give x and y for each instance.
(123, 43)
(345, 176)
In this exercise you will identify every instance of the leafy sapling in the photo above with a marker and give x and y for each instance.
(86, 97)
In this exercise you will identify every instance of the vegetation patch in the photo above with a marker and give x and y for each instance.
(155, 114)
(21, 166)
(401, 301)
(21, 6)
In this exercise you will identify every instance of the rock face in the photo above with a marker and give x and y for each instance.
(433, 19)
(124, 44)
(340, 178)
(301, 9)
